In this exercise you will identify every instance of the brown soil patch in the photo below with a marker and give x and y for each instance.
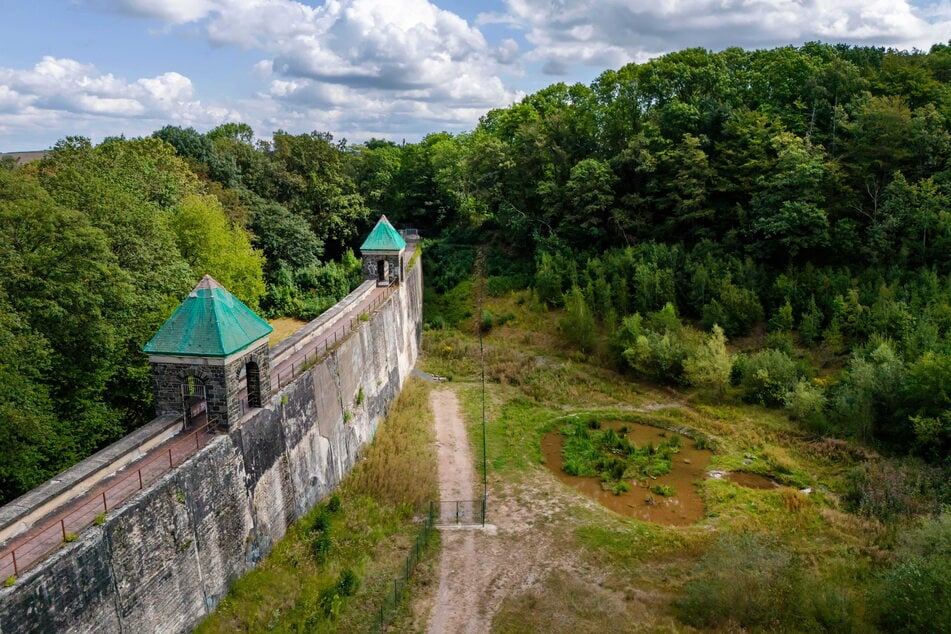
(529, 555)
(751, 480)
(689, 466)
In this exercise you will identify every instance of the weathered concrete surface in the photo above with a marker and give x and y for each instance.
(20, 514)
(164, 560)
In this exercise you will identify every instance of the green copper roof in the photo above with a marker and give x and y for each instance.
(384, 238)
(210, 322)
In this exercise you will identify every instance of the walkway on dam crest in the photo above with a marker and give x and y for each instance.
(61, 526)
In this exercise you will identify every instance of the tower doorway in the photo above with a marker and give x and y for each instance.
(194, 402)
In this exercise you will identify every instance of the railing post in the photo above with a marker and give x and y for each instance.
(170, 458)
(105, 507)
(62, 524)
(140, 478)
(457, 511)
(197, 442)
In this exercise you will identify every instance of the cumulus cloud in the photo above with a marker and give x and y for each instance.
(57, 87)
(369, 58)
(612, 32)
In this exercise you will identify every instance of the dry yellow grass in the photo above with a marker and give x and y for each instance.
(283, 327)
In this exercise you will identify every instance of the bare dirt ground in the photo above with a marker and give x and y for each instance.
(478, 570)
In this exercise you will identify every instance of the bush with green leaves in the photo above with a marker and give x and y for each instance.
(744, 580)
(657, 347)
(709, 364)
(914, 594)
(766, 376)
(736, 309)
(577, 322)
(806, 402)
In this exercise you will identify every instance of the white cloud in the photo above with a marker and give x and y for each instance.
(57, 87)
(369, 58)
(609, 33)
(174, 11)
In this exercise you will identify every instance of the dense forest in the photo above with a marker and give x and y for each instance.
(770, 225)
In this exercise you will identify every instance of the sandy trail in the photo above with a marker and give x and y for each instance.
(455, 609)
(528, 542)
(479, 569)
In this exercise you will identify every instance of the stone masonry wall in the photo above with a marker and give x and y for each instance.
(164, 560)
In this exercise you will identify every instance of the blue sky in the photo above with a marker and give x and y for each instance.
(395, 69)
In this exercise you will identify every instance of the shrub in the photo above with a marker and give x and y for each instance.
(913, 594)
(348, 583)
(913, 597)
(577, 323)
(737, 310)
(893, 489)
(766, 376)
(620, 487)
(806, 402)
(744, 580)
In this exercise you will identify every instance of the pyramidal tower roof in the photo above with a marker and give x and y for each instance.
(383, 238)
(210, 322)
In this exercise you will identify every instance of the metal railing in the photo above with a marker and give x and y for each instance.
(322, 347)
(92, 511)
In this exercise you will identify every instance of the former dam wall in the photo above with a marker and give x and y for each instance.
(164, 559)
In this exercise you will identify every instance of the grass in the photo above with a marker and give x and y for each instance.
(283, 327)
(335, 566)
(536, 383)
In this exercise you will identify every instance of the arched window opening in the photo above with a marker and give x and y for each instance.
(254, 384)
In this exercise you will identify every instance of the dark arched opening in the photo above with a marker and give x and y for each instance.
(194, 401)
(254, 384)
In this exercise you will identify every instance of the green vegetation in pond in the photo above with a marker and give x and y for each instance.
(590, 451)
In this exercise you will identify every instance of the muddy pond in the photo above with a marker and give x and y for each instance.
(688, 466)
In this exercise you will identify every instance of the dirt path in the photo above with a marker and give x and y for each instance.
(455, 608)
(456, 474)
(528, 563)
(479, 569)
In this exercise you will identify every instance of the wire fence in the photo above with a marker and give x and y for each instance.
(441, 513)
(92, 510)
(458, 512)
(391, 600)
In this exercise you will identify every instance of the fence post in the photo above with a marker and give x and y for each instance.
(197, 442)
(62, 524)
(15, 571)
(170, 458)
(140, 478)
(105, 507)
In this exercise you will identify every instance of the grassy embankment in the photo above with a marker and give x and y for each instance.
(334, 567)
(776, 560)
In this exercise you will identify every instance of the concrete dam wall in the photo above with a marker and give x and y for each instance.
(164, 560)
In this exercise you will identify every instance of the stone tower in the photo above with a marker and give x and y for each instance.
(383, 254)
(210, 359)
